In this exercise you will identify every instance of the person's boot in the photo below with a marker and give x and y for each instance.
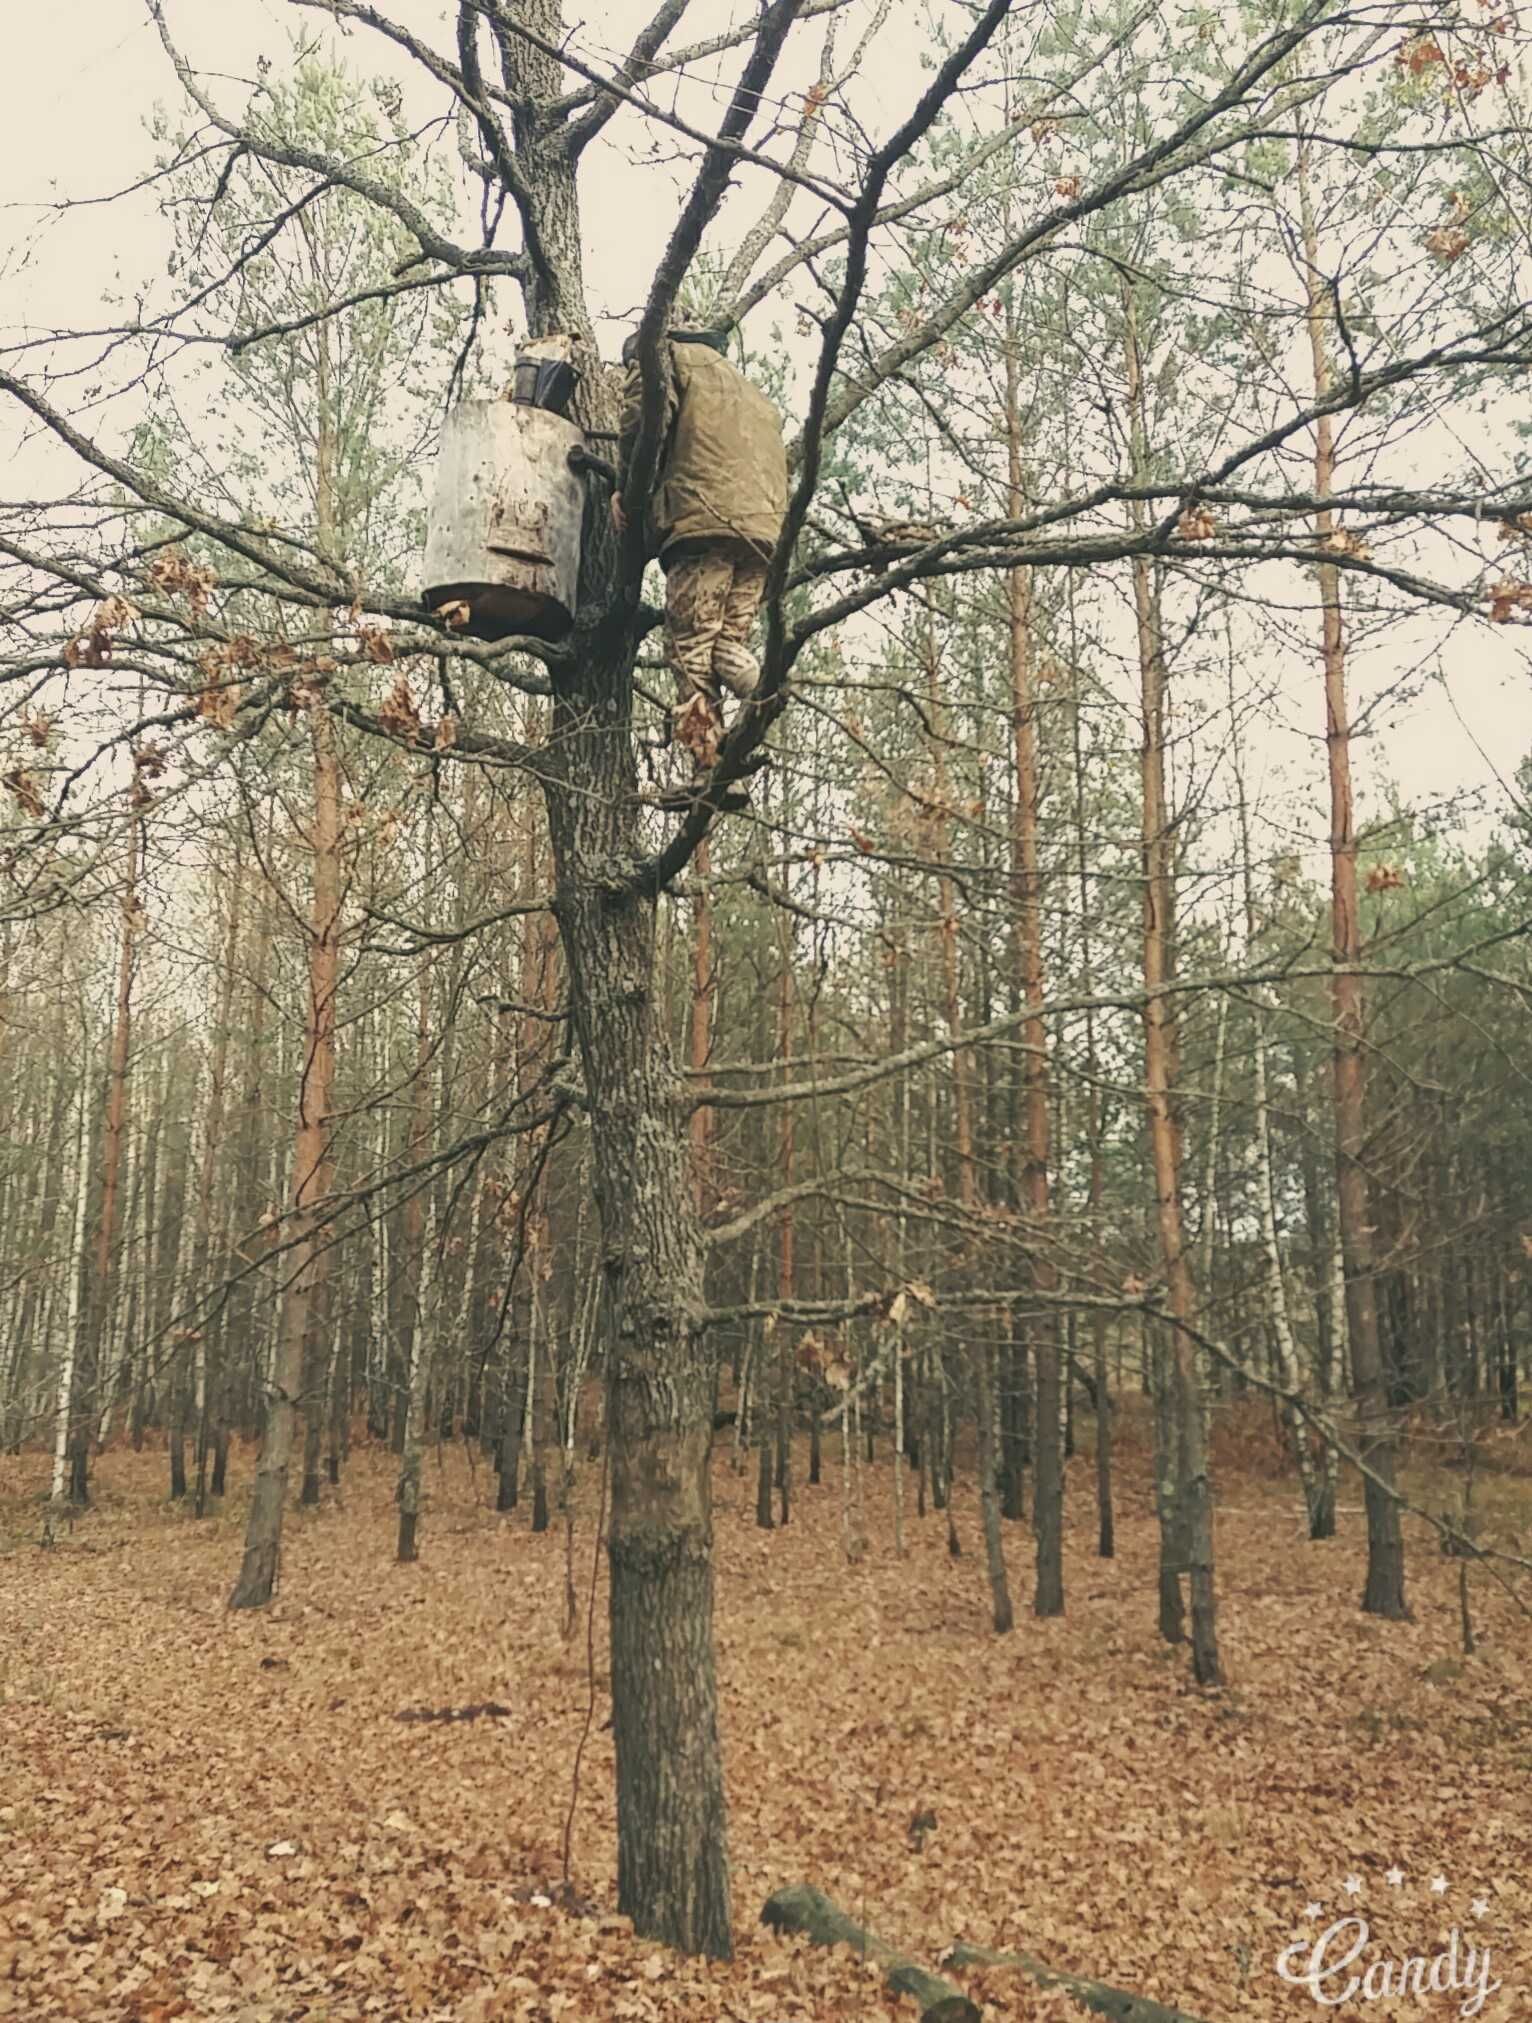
(737, 668)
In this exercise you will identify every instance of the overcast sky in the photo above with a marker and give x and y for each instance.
(81, 77)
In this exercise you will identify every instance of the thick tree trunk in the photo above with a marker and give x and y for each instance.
(672, 1855)
(1383, 1592)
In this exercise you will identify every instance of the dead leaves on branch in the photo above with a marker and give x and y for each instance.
(373, 640)
(149, 763)
(1341, 541)
(94, 646)
(26, 791)
(1446, 243)
(399, 715)
(220, 663)
(895, 1307)
(1421, 59)
(1510, 602)
(698, 725)
(174, 574)
(1197, 523)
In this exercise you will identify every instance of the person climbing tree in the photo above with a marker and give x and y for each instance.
(713, 519)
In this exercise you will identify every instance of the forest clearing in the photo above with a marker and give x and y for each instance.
(1090, 1805)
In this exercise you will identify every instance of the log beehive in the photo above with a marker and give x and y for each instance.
(503, 536)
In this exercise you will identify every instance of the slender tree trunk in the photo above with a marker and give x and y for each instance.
(1289, 1367)
(1383, 1592)
(1195, 1496)
(421, 1240)
(99, 1319)
(787, 1227)
(539, 991)
(980, 1356)
(1027, 915)
(704, 990)
(72, 1311)
(207, 1177)
(517, 1378)
(989, 1499)
(312, 1172)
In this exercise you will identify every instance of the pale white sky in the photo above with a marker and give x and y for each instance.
(81, 76)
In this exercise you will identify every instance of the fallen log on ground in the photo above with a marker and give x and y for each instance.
(810, 1911)
(802, 1908)
(1098, 1996)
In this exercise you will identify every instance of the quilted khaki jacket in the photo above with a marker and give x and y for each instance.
(723, 467)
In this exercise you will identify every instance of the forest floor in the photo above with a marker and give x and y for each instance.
(215, 1815)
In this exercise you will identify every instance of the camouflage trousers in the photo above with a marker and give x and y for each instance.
(711, 599)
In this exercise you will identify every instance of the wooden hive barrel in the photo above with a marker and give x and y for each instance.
(503, 534)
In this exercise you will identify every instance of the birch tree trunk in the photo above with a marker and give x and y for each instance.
(1289, 1365)
(72, 1315)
